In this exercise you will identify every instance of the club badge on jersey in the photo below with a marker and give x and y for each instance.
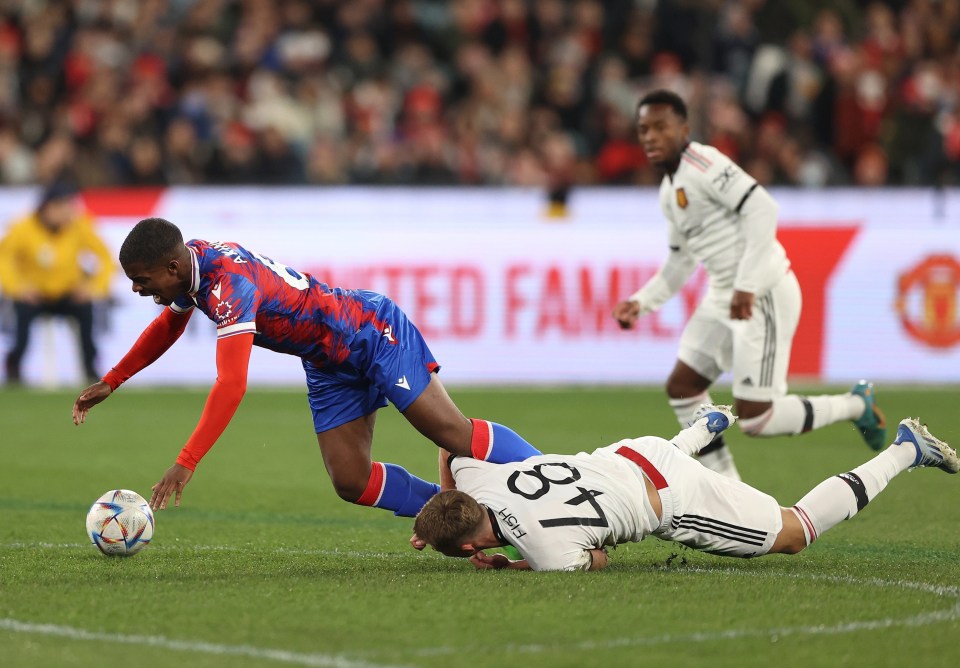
(682, 198)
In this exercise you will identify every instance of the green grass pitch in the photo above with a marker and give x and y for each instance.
(263, 565)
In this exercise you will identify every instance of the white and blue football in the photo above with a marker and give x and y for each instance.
(120, 523)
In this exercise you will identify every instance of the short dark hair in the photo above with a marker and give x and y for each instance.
(667, 97)
(150, 242)
(448, 520)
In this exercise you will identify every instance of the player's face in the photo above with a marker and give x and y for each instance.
(662, 134)
(162, 283)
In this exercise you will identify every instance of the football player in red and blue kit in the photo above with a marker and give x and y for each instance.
(359, 351)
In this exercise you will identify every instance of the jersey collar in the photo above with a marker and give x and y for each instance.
(495, 525)
(194, 272)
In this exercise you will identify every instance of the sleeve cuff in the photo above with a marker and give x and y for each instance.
(186, 461)
(113, 379)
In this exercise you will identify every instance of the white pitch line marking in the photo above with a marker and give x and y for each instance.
(922, 619)
(260, 653)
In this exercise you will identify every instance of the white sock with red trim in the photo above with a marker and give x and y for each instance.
(795, 414)
(843, 496)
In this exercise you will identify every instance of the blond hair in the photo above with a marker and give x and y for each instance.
(448, 520)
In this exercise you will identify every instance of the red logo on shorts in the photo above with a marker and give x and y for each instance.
(927, 299)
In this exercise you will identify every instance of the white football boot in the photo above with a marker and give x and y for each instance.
(931, 451)
(708, 421)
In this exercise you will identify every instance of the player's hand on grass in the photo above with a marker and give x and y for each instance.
(626, 313)
(173, 481)
(89, 398)
(484, 562)
(741, 306)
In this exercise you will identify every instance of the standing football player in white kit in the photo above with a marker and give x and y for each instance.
(719, 216)
(561, 512)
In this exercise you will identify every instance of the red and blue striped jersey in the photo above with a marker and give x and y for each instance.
(288, 311)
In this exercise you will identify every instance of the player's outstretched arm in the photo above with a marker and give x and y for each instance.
(155, 340)
(233, 359)
(173, 481)
(89, 398)
(661, 287)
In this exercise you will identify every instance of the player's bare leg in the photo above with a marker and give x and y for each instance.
(687, 390)
(435, 416)
(685, 382)
(346, 456)
(359, 479)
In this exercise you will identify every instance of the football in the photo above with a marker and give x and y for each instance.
(120, 523)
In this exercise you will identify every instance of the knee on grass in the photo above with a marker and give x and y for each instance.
(791, 539)
(793, 544)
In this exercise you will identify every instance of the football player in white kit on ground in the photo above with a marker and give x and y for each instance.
(561, 512)
(719, 216)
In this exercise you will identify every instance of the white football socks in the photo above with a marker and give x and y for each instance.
(843, 496)
(692, 439)
(687, 407)
(795, 414)
(689, 441)
(720, 459)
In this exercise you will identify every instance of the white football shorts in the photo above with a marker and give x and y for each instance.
(705, 510)
(756, 350)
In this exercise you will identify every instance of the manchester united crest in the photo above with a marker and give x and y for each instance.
(927, 301)
(682, 198)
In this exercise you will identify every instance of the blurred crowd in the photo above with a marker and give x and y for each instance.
(520, 92)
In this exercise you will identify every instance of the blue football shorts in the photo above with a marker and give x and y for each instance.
(389, 361)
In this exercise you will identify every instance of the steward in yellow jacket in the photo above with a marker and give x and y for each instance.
(52, 262)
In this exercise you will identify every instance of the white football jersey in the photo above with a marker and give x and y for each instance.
(551, 509)
(701, 202)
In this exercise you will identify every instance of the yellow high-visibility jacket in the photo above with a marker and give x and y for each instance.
(32, 258)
